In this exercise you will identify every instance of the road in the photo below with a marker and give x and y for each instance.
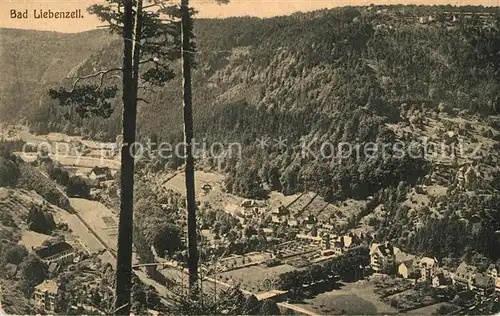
(109, 255)
(80, 228)
(102, 221)
(76, 161)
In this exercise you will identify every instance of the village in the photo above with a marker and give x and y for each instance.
(258, 242)
(402, 281)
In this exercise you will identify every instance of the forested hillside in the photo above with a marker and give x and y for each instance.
(32, 61)
(358, 75)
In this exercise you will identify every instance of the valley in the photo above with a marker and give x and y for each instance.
(393, 208)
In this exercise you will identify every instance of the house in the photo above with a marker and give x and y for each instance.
(60, 252)
(468, 177)
(249, 212)
(280, 215)
(314, 240)
(206, 188)
(100, 174)
(279, 219)
(492, 271)
(382, 257)
(54, 268)
(464, 276)
(327, 227)
(406, 268)
(326, 241)
(351, 241)
(310, 221)
(484, 284)
(428, 268)
(268, 231)
(248, 203)
(44, 297)
(338, 247)
(441, 280)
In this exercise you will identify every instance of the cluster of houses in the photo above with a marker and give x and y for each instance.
(468, 277)
(308, 228)
(331, 244)
(45, 297)
(54, 256)
(58, 256)
(388, 259)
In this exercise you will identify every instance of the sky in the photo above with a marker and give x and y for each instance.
(206, 9)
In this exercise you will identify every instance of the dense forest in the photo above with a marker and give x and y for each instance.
(337, 75)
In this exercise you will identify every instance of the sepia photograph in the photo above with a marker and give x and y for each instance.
(250, 157)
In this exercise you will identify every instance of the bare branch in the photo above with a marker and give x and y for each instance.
(99, 73)
(116, 76)
(143, 100)
(110, 25)
(151, 6)
(160, 3)
(145, 61)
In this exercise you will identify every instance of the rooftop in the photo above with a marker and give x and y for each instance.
(427, 261)
(48, 285)
(464, 268)
(482, 281)
(269, 294)
(101, 170)
(54, 249)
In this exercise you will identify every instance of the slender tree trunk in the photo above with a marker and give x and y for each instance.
(124, 257)
(188, 140)
(136, 46)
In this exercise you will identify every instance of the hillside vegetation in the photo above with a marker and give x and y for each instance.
(357, 75)
(31, 61)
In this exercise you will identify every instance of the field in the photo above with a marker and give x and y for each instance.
(254, 278)
(352, 299)
(83, 162)
(31, 239)
(238, 261)
(68, 150)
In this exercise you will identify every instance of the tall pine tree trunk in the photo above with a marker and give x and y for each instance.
(188, 140)
(124, 257)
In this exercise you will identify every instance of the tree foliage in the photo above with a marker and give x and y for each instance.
(33, 272)
(9, 173)
(41, 220)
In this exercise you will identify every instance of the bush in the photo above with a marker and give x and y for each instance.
(32, 179)
(77, 187)
(9, 173)
(444, 310)
(41, 221)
